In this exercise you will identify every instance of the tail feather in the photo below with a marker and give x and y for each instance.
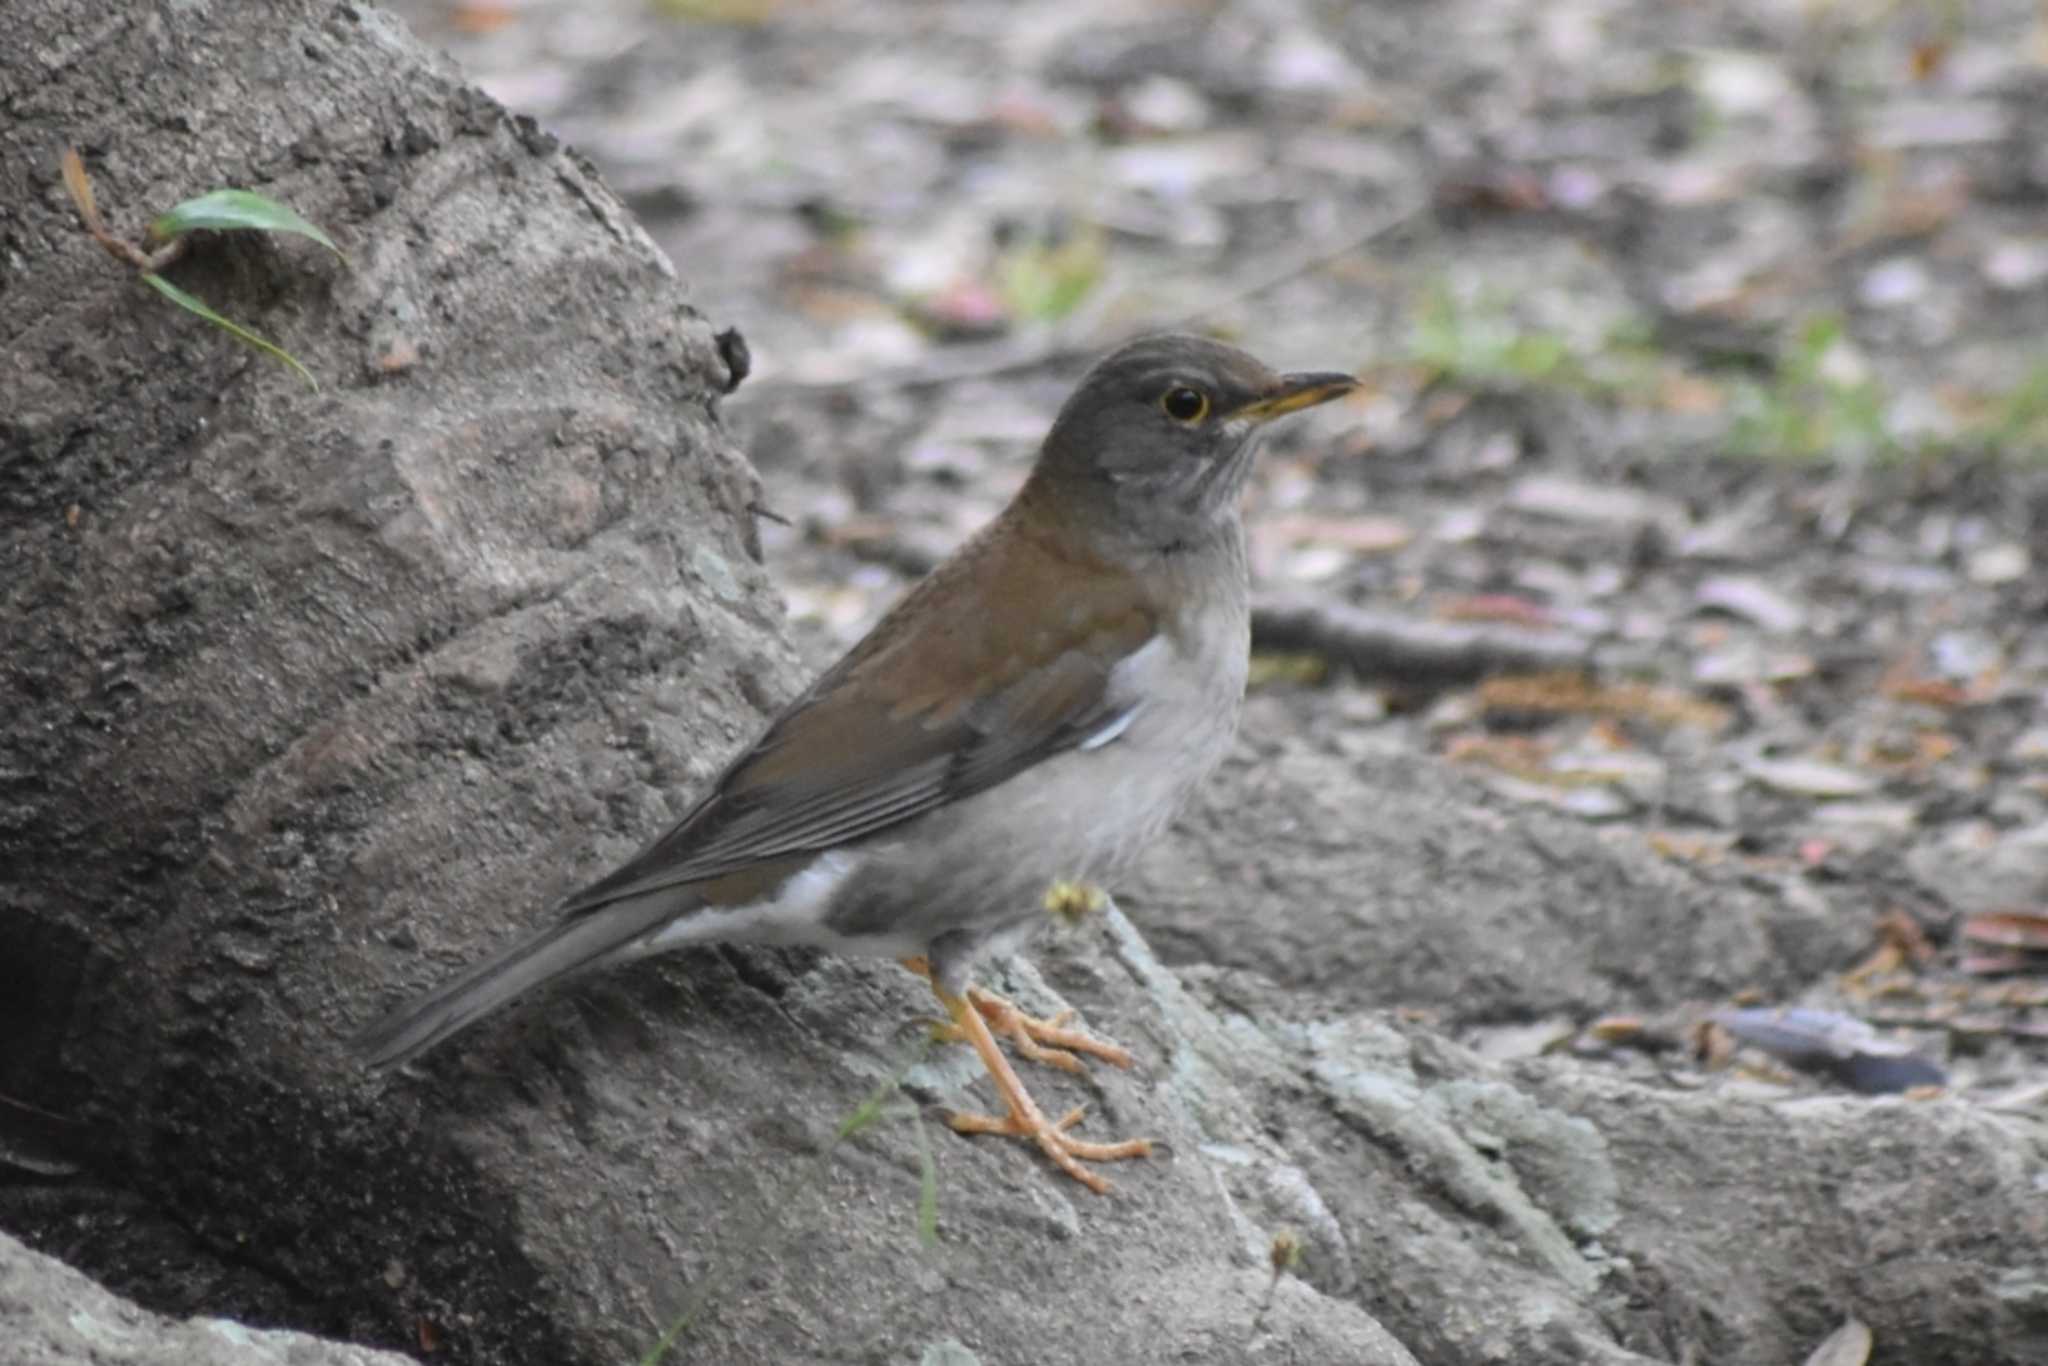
(566, 947)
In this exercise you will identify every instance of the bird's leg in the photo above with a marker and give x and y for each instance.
(1025, 1119)
(1049, 1043)
(1044, 1041)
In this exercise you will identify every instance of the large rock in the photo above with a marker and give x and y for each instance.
(306, 693)
(1388, 879)
(52, 1316)
(1547, 1212)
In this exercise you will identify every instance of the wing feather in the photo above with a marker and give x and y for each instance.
(913, 719)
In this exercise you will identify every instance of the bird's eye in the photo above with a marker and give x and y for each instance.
(1183, 404)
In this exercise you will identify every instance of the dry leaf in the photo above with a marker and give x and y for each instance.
(427, 1333)
(1811, 778)
(398, 356)
(481, 16)
(1300, 669)
(1922, 751)
(1926, 59)
(1848, 1345)
(1575, 694)
(1933, 692)
(1689, 396)
(1901, 944)
(1753, 599)
(1507, 607)
(1525, 756)
(80, 186)
(2009, 929)
(1998, 964)
(1616, 1028)
(1712, 1046)
(1361, 535)
(1688, 847)
(1895, 927)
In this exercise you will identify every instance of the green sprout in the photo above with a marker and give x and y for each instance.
(169, 234)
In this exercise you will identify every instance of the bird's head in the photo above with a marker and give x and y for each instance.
(1159, 436)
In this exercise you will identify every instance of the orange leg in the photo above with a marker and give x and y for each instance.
(1025, 1119)
(1046, 1042)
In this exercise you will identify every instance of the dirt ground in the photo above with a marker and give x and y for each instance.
(1703, 364)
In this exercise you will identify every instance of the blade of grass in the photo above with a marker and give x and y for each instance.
(232, 210)
(927, 1188)
(235, 330)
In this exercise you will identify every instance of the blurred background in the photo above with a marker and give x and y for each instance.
(1706, 350)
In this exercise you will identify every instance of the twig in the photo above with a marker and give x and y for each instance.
(34, 1140)
(1376, 646)
(1430, 654)
(1308, 261)
(80, 186)
(1057, 345)
(1961, 1026)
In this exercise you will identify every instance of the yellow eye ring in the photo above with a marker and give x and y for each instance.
(1184, 404)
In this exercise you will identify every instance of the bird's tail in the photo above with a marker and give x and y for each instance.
(566, 947)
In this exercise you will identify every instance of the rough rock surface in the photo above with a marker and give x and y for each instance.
(50, 1315)
(309, 697)
(1382, 879)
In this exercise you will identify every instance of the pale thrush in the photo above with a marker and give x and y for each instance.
(1034, 711)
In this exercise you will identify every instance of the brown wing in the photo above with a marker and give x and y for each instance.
(948, 696)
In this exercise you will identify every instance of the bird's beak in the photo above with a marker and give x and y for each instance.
(1292, 393)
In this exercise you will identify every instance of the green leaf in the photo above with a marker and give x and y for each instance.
(229, 210)
(240, 333)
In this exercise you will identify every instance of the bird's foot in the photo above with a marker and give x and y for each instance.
(1051, 1136)
(1022, 1117)
(1048, 1042)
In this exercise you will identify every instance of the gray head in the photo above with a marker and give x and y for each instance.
(1160, 433)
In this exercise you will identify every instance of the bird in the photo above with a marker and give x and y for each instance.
(1032, 713)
